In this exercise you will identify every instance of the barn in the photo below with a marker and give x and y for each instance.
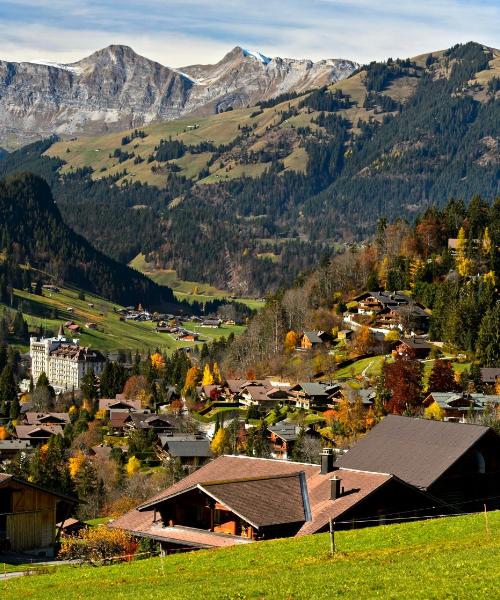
(28, 516)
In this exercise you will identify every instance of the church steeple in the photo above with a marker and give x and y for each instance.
(60, 333)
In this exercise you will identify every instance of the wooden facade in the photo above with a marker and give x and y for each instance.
(28, 516)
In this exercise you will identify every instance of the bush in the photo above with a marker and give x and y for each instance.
(98, 544)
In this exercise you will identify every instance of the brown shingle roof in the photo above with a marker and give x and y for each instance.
(417, 451)
(29, 432)
(263, 501)
(264, 492)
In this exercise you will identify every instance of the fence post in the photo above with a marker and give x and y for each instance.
(333, 548)
(488, 532)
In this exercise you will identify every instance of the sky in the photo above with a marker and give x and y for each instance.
(182, 32)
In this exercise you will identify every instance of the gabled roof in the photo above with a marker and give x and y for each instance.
(313, 337)
(36, 418)
(264, 491)
(417, 451)
(313, 388)
(264, 501)
(7, 477)
(186, 446)
(29, 432)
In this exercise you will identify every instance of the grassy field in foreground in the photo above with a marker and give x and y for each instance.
(455, 557)
(53, 308)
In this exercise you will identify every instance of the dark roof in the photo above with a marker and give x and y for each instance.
(313, 337)
(248, 485)
(417, 451)
(286, 431)
(4, 477)
(186, 446)
(417, 343)
(264, 501)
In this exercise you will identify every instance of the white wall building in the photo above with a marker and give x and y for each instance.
(64, 362)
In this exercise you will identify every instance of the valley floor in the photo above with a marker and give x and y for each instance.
(454, 557)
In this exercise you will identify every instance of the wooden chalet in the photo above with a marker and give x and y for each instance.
(236, 499)
(460, 406)
(415, 346)
(37, 435)
(282, 438)
(310, 340)
(28, 516)
(457, 463)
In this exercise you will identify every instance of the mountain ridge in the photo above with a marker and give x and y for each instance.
(115, 88)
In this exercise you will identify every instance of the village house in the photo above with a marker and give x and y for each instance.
(37, 435)
(211, 323)
(237, 500)
(28, 516)
(192, 450)
(459, 406)
(392, 310)
(310, 340)
(282, 438)
(454, 462)
(311, 395)
(51, 418)
(491, 376)
(415, 347)
(9, 448)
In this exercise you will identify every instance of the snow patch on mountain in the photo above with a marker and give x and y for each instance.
(257, 55)
(55, 65)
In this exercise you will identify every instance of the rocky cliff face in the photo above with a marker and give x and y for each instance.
(115, 89)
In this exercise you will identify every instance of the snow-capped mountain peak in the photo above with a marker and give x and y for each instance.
(257, 55)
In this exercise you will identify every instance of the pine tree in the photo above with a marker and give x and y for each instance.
(488, 343)
(8, 386)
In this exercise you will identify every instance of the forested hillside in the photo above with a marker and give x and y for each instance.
(458, 288)
(249, 199)
(33, 232)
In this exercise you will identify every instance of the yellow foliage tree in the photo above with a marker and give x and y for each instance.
(24, 399)
(487, 243)
(157, 361)
(101, 414)
(291, 341)
(192, 378)
(363, 339)
(464, 265)
(133, 465)
(208, 378)
(383, 271)
(434, 411)
(415, 266)
(216, 373)
(392, 336)
(221, 442)
(489, 277)
(75, 463)
(4, 434)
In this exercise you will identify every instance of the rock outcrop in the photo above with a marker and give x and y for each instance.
(115, 88)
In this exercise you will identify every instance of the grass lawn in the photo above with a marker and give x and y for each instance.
(54, 308)
(371, 366)
(455, 558)
(187, 290)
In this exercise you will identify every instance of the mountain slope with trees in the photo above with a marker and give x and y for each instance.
(249, 199)
(32, 231)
